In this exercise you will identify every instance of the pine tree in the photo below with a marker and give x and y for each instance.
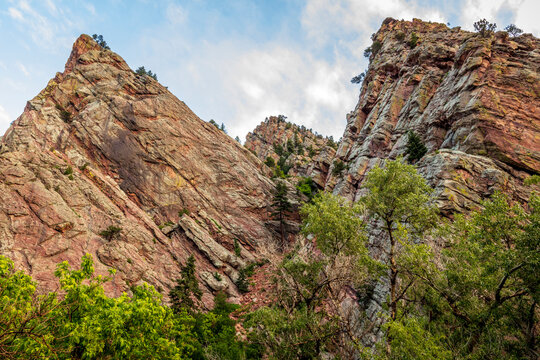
(281, 205)
(186, 289)
(415, 149)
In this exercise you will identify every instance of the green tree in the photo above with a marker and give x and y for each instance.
(186, 294)
(484, 28)
(415, 148)
(101, 42)
(513, 30)
(307, 316)
(358, 79)
(485, 298)
(270, 162)
(281, 206)
(400, 203)
(142, 71)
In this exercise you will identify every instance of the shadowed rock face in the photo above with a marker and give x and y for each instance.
(474, 102)
(138, 157)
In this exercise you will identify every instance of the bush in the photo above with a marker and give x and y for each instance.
(484, 28)
(237, 248)
(68, 171)
(373, 49)
(110, 233)
(270, 162)
(339, 166)
(413, 40)
(64, 114)
(513, 30)
(400, 36)
(142, 71)
(307, 187)
(415, 148)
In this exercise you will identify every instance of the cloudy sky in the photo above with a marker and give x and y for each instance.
(234, 61)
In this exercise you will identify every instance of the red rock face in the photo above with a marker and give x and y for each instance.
(312, 154)
(102, 146)
(474, 102)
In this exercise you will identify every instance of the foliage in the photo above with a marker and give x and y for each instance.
(513, 30)
(101, 42)
(400, 200)
(64, 114)
(306, 317)
(142, 71)
(484, 28)
(307, 187)
(413, 40)
(400, 36)
(415, 148)
(338, 168)
(373, 49)
(68, 171)
(186, 294)
(82, 322)
(111, 232)
(237, 248)
(358, 79)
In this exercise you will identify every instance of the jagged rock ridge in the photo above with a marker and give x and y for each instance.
(304, 153)
(474, 102)
(102, 146)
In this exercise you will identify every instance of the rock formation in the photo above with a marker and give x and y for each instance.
(474, 102)
(101, 146)
(303, 153)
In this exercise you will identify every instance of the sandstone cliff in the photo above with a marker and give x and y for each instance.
(473, 101)
(102, 146)
(302, 152)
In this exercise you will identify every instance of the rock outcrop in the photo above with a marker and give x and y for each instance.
(473, 101)
(101, 146)
(299, 151)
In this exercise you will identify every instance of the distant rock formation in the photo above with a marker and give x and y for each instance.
(302, 152)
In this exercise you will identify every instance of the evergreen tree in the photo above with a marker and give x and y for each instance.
(281, 205)
(186, 289)
(415, 148)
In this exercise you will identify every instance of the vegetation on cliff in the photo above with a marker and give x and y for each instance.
(464, 289)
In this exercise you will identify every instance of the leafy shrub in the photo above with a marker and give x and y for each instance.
(111, 232)
(182, 212)
(142, 71)
(237, 248)
(373, 49)
(339, 166)
(400, 36)
(217, 276)
(484, 27)
(64, 114)
(415, 148)
(413, 40)
(68, 171)
(513, 30)
(307, 187)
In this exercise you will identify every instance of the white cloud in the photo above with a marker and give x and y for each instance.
(23, 69)
(5, 120)
(176, 14)
(527, 16)
(15, 14)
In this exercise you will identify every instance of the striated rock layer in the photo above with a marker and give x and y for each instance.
(474, 102)
(306, 154)
(102, 146)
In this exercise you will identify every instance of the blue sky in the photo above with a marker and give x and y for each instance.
(232, 61)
